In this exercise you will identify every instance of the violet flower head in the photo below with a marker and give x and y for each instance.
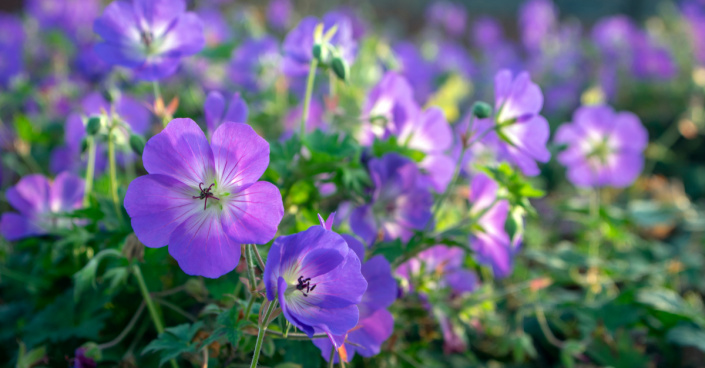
(487, 32)
(219, 111)
(38, 200)
(148, 36)
(317, 279)
(279, 13)
(451, 16)
(652, 60)
(490, 241)
(537, 19)
(375, 324)
(614, 37)
(445, 264)
(298, 44)
(215, 27)
(82, 361)
(604, 148)
(255, 63)
(522, 132)
(694, 13)
(71, 16)
(421, 73)
(401, 201)
(11, 47)
(204, 199)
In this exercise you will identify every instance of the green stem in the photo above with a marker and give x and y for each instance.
(156, 90)
(248, 309)
(150, 305)
(250, 269)
(307, 97)
(331, 84)
(595, 217)
(113, 174)
(90, 169)
(258, 257)
(262, 332)
(331, 359)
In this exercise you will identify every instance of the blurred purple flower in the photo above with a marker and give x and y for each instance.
(317, 279)
(604, 148)
(537, 19)
(71, 16)
(522, 132)
(445, 264)
(298, 44)
(651, 60)
(204, 199)
(694, 13)
(450, 16)
(614, 37)
(420, 72)
(491, 243)
(279, 14)
(148, 36)
(82, 361)
(452, 57)
(401, 203)
(215, 27)
(38, 201)
(292, 120)
(12, 38)
(218, 111)
(255, 63)
(487, 32)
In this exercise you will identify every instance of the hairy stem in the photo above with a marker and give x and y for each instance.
(250, 268)
(90, 169)
(113, 174)
(124, 332)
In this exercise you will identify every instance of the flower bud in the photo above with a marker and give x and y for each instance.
(84, 145)
(321, 53)
(93, 125)
(137, 143)
(481, 110)
(340, 67)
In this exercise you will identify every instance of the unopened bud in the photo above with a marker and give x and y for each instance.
(340, 67)
(84, 145)
(93, 125)
(137, 143)
(481, 110)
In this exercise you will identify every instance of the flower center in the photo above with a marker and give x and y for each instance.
(205, 194)
(305, 284)
(601, 150)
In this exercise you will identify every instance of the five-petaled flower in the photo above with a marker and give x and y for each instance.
(204, 199)
(317, 279)
(148, 36)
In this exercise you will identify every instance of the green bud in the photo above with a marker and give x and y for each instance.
(93, 125)
(321, 52)
(481, 110)
(340, 67)
(137, 143)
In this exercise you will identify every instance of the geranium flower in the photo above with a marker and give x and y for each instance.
(522, 131)
(376, 324)
(445, 263)
(255, 63)
(401, 202)
(490, 241)
(316, 278)
(604, 148)
(11, 47)
(148, 36)
(390, 110)
(38, 200)
(203, 199)
(452, 17)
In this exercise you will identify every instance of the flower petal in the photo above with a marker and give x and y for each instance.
(66, 193)
(14, 227)
(241, 155)
(181, 151)
(252, 215)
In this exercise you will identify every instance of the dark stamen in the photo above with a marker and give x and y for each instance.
(205, 194)
(305, 284)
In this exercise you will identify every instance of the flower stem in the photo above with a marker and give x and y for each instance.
(90, 169)
(150, 304)
(260, 262)
(307, 97)
(248, 309)
(262, 332)
(250, 269)
(331, 360)
(113, 174)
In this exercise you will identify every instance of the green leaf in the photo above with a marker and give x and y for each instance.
(27, 359)
(685, 335)
(85, 277)
(668, 301)
(174, 341)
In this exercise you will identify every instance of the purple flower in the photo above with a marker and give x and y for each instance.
(452, 17)
(651, 60)
(694, 13)
(445, 264)
(38, 201)
(292, 120)
(317, 279)
(71, 16)
(11, 47)
(487, 33)
(522, 131)
(537, 19)
(255, 64)
(604, 148)
(279, 13)
(219, 111)
(375, 324)
(401, 203)
(491, 243)
(204, 199)
(452, 57)
(82, 361)
(614, 37)
(298, 44)
(148, 36)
